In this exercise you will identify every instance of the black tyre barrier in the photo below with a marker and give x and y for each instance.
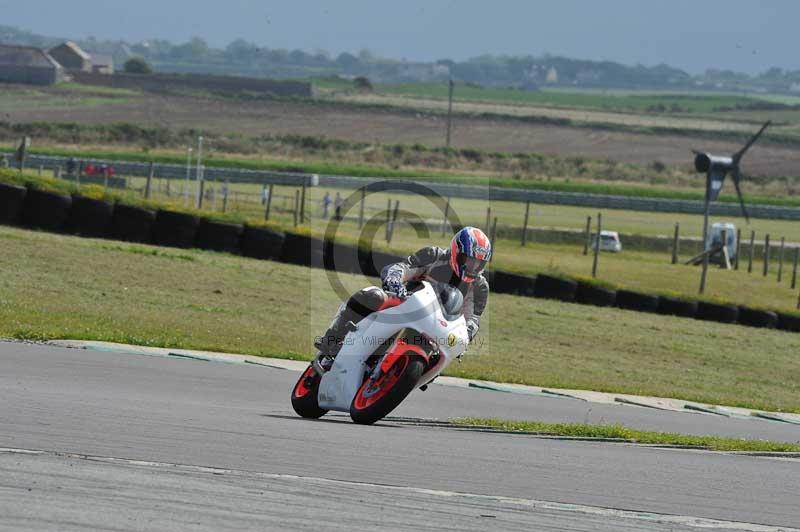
(717, 312)
(132, 224)
(372, 262)
(90, 217)
(12, 201)
(589, 294)
(673, 306)
(46, 210)
(301, 249)
(219, 236)
(550, 287)
(757, 318)
(175, 229)
(630, 300)
(262, 243)
(341, 257)
(788, 322)
(511, 283)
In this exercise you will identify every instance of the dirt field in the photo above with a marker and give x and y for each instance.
(254, 118)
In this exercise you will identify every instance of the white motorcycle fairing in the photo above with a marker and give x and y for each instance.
(420, 313)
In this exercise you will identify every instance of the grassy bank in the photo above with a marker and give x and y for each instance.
(57, 286)
(620, 432)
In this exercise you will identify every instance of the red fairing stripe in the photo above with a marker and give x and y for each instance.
(390, 302)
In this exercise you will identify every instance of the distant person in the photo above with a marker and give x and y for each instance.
(326, 203)
(3, 162)
(72, 165)
(338, 202)
(264, 195)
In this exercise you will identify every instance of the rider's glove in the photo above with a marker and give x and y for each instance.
(472, 330)
(394, 285)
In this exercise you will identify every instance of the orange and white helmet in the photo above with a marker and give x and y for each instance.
(470, 251)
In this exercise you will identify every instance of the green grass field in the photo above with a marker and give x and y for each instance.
(56, 286)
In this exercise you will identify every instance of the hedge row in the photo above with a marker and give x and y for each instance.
(96, 218)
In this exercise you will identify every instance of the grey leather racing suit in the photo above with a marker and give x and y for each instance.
(433, 264)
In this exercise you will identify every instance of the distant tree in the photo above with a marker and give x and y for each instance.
(346, 60)
(363, 84)
(137, 65)
(241, 50)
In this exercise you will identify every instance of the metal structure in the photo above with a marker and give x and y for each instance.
(717, 168)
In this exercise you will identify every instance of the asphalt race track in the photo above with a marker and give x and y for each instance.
(126, 442)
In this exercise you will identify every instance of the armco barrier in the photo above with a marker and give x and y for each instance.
(595, 201)
(12, 200)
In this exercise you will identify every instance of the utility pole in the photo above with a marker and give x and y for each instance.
(449, 111)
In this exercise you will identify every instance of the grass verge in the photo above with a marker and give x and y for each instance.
(621, 432)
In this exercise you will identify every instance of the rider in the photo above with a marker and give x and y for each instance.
(461, 265)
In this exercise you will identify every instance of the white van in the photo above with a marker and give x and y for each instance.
(609, 241)
(714, 238)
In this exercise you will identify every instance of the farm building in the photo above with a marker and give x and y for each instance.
(72, 57)
(102, 64)
(25, 64)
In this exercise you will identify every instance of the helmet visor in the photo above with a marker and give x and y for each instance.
(471, 266)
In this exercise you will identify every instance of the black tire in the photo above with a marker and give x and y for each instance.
(765, 319)
(262, 243)
(340, 258)
(175, 229)
(304, 395)
(12, 202)
(672, 306)
(407, 380)
(302, 250)
(219, 236)
(46, 210)
(90, 217)
(550, 287)
(715, 312)
(372, 262)
(630, 300)
(512, 283)
(589, 294)
(132, 224)
(789, 322)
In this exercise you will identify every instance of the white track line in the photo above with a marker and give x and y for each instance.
(600, 512)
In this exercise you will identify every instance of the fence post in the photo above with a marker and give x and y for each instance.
(388, 218)
(201, 195)
(780, 260)
(493, 238)
(224, 197)
(676, 242)
(57, 172)
(752, 251)
(269, 202)
(150, 183)
(394, 219)
(587, 242)
(738, 248)
(361, 209)
(766, 255)
(303, 203)
(597, 243)
(794, 269)
(446, 215)
(296, 206)
(488, 219)
(41, 169)
(525, 223)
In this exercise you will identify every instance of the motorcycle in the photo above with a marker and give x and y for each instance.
(403, 346)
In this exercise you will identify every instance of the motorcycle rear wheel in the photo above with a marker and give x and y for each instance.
(304, 395)
(377, 397)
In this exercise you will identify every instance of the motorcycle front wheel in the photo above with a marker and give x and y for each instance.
(377, 397)
(304, 395)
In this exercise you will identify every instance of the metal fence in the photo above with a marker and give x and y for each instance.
(597, 201)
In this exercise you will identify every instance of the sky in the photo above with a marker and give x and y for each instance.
(742, 35)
